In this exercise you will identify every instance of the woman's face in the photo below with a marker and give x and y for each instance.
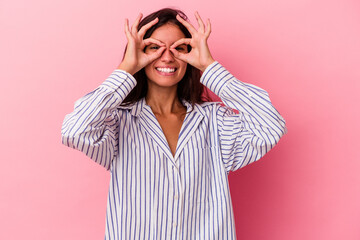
(166, 71)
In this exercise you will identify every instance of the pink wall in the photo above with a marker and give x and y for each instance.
(306, 54)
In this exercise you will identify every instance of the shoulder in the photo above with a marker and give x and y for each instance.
(216, 108)
(209, 105)
(133, 109)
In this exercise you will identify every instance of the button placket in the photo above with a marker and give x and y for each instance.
(177, 201)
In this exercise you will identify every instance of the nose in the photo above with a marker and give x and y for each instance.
(167, 56)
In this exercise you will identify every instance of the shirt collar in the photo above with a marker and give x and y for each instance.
(137, 107)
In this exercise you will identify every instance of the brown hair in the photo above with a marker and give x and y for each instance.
(189, 88)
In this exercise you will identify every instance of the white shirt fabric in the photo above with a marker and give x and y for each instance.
(153, 194)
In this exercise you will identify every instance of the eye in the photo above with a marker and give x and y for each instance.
(181, 48)
(152, 48)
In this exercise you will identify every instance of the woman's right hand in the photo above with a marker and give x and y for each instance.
(135, 58)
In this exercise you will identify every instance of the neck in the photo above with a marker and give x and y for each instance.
(163, 101)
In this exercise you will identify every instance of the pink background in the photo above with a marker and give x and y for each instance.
(306, 54)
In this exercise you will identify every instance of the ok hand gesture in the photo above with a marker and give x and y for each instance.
(135, 58)
(199, 56)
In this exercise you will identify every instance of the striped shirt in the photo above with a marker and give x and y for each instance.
(153, 194)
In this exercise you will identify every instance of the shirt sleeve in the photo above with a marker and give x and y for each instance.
(248, 135)
(93, 125)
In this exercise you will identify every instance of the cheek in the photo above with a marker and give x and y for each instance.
(148, 68)
(147, 71)
(184, 66)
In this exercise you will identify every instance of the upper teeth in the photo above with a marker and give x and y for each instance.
(168, 70)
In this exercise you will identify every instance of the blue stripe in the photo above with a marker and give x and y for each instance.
(213, 141)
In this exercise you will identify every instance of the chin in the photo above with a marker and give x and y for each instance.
(161, 82)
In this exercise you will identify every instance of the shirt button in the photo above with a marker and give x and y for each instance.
(176, 196)
(174, 224)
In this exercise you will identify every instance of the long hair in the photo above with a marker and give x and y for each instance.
(189, 88)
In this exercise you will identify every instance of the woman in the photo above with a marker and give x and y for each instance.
(168, 152)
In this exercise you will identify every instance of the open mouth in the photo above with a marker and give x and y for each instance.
(166, 70)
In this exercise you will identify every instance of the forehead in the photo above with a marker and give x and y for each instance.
(168, 33)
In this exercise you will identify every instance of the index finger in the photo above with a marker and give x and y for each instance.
(181, 41)
(149, 41)
(189, 27)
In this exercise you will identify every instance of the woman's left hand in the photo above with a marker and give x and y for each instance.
(199, 56)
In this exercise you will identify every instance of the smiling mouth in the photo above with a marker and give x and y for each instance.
(166, 70)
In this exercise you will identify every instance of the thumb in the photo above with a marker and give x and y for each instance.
(179, 55)
(156, 54)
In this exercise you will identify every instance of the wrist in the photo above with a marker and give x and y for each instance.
(123, 66)
(209, 62)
